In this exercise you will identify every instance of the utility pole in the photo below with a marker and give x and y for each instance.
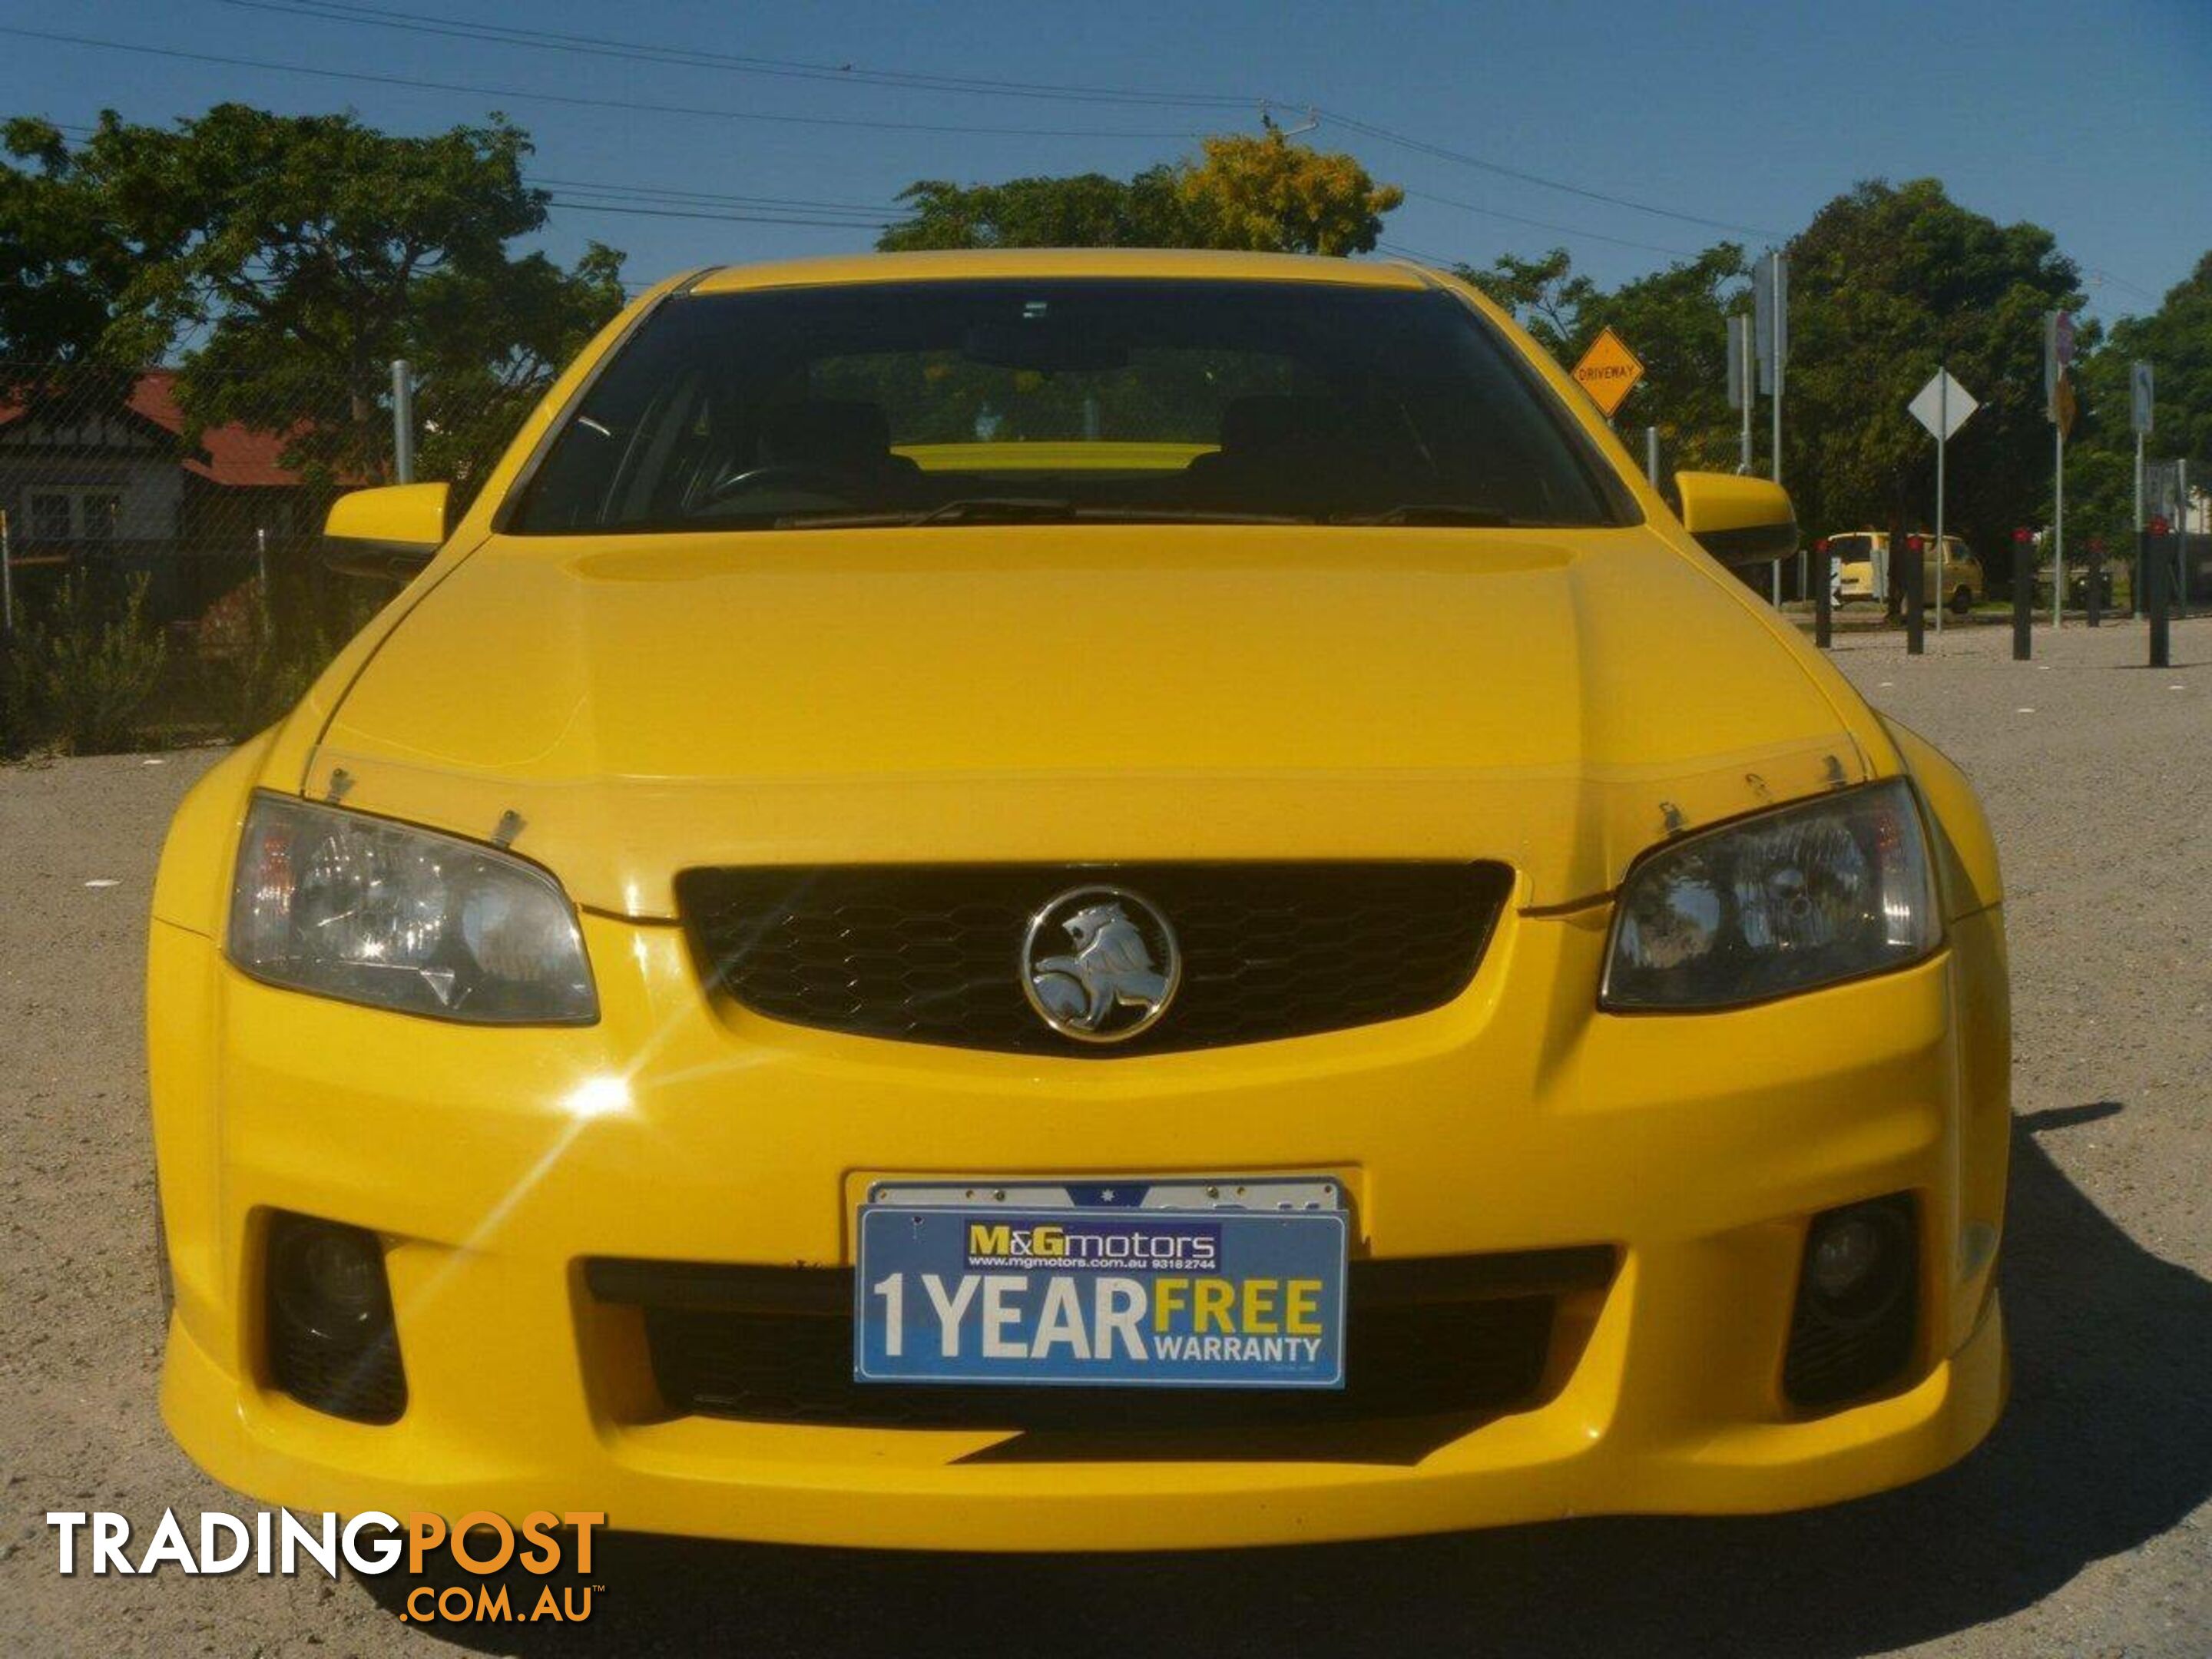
(1741, 377)
(2058, 405)
(2181, 540)
(2058, 535)
(1942, 444)
(1769, 303)
(1781, 280)
(2135, 587)
(2140, 398)
(403, 422)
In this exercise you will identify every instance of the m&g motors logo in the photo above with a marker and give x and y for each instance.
(1123, 1244)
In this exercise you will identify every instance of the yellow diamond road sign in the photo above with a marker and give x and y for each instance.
(1608, 371)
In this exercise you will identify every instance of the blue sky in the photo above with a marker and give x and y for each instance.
(2095, 119)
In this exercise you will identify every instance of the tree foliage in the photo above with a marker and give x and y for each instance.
(1676, 322)
(1264, 194)
(1888, 283)
(63, 266)
(1546, 296)
(297, 256)
(1261, 192)
(2176, 340)
(1087, 210)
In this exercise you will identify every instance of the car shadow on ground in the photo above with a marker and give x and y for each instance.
(2107, 1443)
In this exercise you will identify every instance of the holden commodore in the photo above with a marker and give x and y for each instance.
(1077, 900)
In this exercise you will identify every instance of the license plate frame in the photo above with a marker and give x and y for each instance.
(1053, 1291)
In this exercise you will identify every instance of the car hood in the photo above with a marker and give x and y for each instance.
(1560, 701)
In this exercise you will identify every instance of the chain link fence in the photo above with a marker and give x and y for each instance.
(161, 577)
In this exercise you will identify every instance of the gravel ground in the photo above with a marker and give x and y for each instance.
(2081, 1529)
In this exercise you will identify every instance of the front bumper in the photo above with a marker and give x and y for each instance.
(495, 1162)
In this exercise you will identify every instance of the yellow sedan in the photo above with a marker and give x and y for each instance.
(1077, 900)
(1862, 566)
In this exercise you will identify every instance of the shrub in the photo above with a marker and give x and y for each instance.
(254, 665)
(77, 679)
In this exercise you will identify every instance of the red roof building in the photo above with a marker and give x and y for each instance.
(86, 479)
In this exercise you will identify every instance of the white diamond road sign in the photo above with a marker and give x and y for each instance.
(1941, 411)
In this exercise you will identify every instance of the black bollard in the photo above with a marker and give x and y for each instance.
(2023, 595)
(2093, 573)
(1916, 599)
(1824, 599)
(2153, 555)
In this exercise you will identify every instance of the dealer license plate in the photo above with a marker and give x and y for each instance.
(955, 1288)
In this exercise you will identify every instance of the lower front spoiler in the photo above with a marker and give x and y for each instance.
(1577, 1454)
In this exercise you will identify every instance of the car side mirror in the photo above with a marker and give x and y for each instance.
(390, 532)
(1738, 520)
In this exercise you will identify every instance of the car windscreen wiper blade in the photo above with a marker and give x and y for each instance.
(1443, 513)
(1019, 509)
(1028, 509)
(968, 509)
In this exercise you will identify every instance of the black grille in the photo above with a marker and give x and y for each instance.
(1423, 1337)
(933, 954)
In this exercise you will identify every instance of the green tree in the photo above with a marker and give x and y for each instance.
(301, 254)
(2176, 340)
(470, 401)
(1546, 296)
(63, 265)
(1261, 192)
(1888, 283)
(1087, 210)
(1675, 321)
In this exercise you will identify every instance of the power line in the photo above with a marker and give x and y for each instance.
(340, 11)
(1546, 224)
(1351, 123)
(680, 208)
(346, 11)
(657, 193)
(2101, 276)
(701, 213)
(626, 105)
(875, 214)
(1401, 250)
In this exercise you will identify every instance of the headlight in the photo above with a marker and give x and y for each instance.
(367, 911)
(1826, 890)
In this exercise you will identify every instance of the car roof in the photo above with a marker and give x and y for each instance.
(1883, 535)
(1016, 263)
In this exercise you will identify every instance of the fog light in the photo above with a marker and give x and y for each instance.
(1853, 1328)
(1853, 1260)
(332, 1343)
(1842, 1255)
(329, 1280)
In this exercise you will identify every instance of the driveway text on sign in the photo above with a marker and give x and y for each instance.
(1608, 371)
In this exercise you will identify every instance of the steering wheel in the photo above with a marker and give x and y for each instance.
(789, 475)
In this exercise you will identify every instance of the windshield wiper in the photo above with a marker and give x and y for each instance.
(1443, 513)
(1028, 509)
(984, 509)
(1008, 509)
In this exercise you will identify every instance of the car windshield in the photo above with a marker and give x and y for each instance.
(1850, 548)
(1004, 401)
